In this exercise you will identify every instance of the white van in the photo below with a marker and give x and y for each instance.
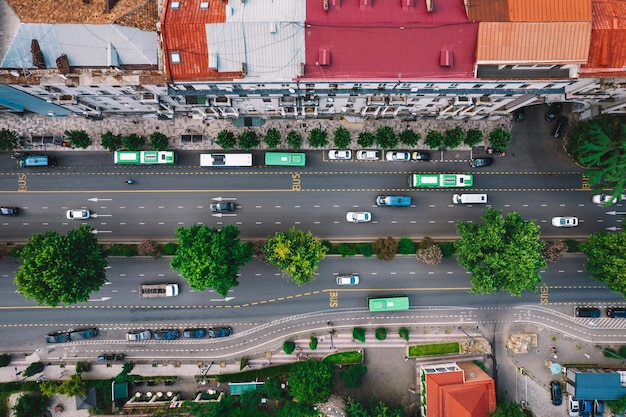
(469, 198)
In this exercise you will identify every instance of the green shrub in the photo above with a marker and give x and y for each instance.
(116, 249)
(344, 358)
(15, 252)
(366, 139)
(404, 333)
(170, 248)
(358, 333)
(82, 367)
(289, 346)
(406, 246)
(447, 249)
(381, 333)
(326, 243)
(365, 249)
(385, 248)
(346, 249)
(243, 363)
(129, 250)
(354, 375)
(572, 245)
(33, 368)
(313, 342)
(434, 139)
(5, 359)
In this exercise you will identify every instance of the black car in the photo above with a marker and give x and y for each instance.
(220, 332)
(556, 394)
(222, 207)
(560, 127)
(111, 357)
(616, 312)
(554, 110)
(588, 312)
(481, 162)
(8, 211)
(166, 334)
(420, 156)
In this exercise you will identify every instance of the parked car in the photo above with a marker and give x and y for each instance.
(358, 216)
(368, 155)
(585, 408)
(78, 214)
(139, 335)
(553, 111)
(196, 333)
(57, 337)
(166, 334)
(420, 156)
(220, 332)
(8, 211)
(598, 408)
(573, 406)
(519, 115)
(352, 279)
(84, 333)
(339, 154)
(481, 162)
(591, 312)
(556, 393)
(560, 127)
(111, 357)
(397, 156)
(222, 207)
(567, 221)
(614, 312)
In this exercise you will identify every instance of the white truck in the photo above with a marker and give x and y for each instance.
(158, 290)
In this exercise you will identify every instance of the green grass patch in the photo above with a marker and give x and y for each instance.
(344, 358)
(434, 349)
(253, 374)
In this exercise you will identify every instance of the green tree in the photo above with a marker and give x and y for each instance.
(133, 142)
(473, 137)
(49, 388)
(293, 409)
(294, 140)
(606, 257)
(250, 400)
(499, 139)
(33, 368)
(342, 138)
(353, 376)
(508, 409)
(208, 257)
(454, 137)
(272, 138)
(358, 333)
(249, 140)
(158, 141)
(111, 141)
(75, 386)
(381, 409)
(355, 409)
(59, 269)
(501, 254)
(409, 138)
(434, 139)
(618, 406)
(9, 139)
(404, 333)
(289, 346)
(78, 138)
(226, 139)
(5, 359)
(366, 139)
(296, 253)
(311, 381)
(272, 388)
(385, 248)
(312, 342)
(386, 137)
(29, 405)
(380, 333)
(318, 138)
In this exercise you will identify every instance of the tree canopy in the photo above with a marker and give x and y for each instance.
(296, 253)
(311, 381)
(599, 146)
(501, 254)
(158, 141)
(60, 269)
(508, 409)
(606, 259)
(208, 257)
(78, 138)
(8, 139)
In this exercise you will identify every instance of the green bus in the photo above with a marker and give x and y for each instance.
(145, 157)
(393, 303)
(441, 180)
(286, 159)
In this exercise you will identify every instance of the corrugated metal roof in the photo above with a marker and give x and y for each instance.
(264, 11)
(599, 385)
(269, 50)
(529, 10)
(607, 55)
(84, 45)
(528, 43)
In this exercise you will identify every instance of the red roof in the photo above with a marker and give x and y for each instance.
(363, 39)
(183, 31)
(607, 53)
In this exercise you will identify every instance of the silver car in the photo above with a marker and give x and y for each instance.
(139, 335)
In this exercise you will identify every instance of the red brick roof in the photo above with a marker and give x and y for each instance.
(529, 10)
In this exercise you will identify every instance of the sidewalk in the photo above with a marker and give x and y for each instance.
(36, 125)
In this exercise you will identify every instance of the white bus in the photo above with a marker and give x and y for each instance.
(226, 160)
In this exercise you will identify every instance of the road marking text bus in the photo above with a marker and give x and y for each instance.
(441, 180)
(393, 303)
(226, 160)
(285, 159)
(145, 157)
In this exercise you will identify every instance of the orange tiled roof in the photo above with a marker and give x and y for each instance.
(183, 31)
(531, 43)
(607, 55)
(529, 10)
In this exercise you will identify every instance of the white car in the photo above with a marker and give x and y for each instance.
(348, 279)
(573, 406)
(358, 216)
(368, 155)
(398, 156)
(606, 198)
(78, 214)
(337, 154)
(567, 221)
